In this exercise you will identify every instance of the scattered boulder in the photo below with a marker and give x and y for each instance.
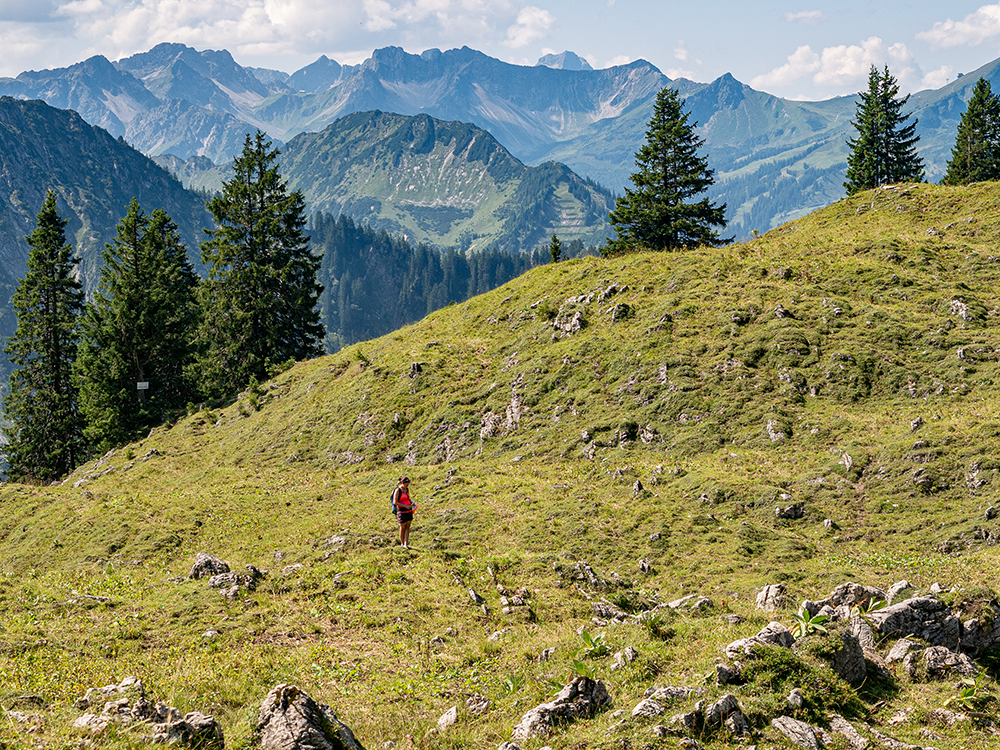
(851, 594)
(772, 597)
(800, 733)
(289, 719)
(925, 617)
(773, 634)
(940, 661)
(581, 697)
(448, 719)
(126, 705)
(790, 512)
(726, 712)
(840, 725)
(195, 730)
(206, 566)
(626, 656)
(900, 649)
(477, 704)
(896, 592)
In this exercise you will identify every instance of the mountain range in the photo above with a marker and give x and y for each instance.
(774, 158)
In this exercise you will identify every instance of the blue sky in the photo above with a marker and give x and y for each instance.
(797, 50)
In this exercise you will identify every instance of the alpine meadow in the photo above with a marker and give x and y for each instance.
(679, 482)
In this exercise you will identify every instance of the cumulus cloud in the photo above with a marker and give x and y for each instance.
(618, 60)
(937, 78)
(532, 24)
(674, 73)
(806, 16)
(800, 63)
(974, 29)
(680, 51)
(841, 67)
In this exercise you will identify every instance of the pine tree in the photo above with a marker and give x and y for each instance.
(656, 213)
(885, 149)
(46, 442)
(555, 249)
(261, 292)
(976, 155)
(140, 328)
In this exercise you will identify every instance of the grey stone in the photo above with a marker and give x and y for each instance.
(938, 661)
(726, 675)
(840, 725)
(982, 633)
(925, 617)
(800, 733)
(289, 719)
(720, 712)
(668, 694)
(849, 660)
(626, 656)
(795, 700)
(206, 566)
(448, 719)
(790, 512)
(900, 649)
(581, 697)
(477, 704)
(646, 708)
(196, 730)
(772, 597)
(773, 634)
(851, 593)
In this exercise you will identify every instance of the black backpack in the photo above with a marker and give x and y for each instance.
(392, 501)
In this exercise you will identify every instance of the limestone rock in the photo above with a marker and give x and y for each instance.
(900, 649)
(196, 730)
(896, 591)
(206, 566)
(840, 725)
(925, 617)
(773, 634)
(772, 597)
(477, 704)
(939, 661)
(581, 697)
(289, 719)
(850, 594)
(800, 733)
(448, 719)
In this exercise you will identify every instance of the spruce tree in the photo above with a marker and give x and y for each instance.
(46, 442)
(976, 155)
(140, 328)
(260, 296)
(885, 149)
(658, 213)
(555, 249)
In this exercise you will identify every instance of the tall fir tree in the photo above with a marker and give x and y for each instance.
(140, 328)
(260, 297)
(658, 212)
(885, 148)
(47, 439)
(976, 155)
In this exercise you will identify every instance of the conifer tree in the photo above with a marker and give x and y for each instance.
(46, 442)
(555, 249)
(976, 155)
(885, 148)
(140, 328)
(658, 212)
(260, 297)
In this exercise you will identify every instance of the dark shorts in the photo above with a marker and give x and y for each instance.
(404, 517)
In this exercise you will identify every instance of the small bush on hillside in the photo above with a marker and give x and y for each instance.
(773, 672)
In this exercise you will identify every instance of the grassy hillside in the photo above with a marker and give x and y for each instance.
(847, 362)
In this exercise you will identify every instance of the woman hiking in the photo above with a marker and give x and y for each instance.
(404, 510)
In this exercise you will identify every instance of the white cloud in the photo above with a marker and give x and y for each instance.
(618, 60)
(532, 24)
(842, 67)
(675, 73)
(974, 29)
(680, 51)
(937, 78)
(806, 16)
(800, 63)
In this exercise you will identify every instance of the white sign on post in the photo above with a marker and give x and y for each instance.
(142, 385)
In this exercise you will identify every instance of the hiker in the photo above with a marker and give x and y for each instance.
(404, 510)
